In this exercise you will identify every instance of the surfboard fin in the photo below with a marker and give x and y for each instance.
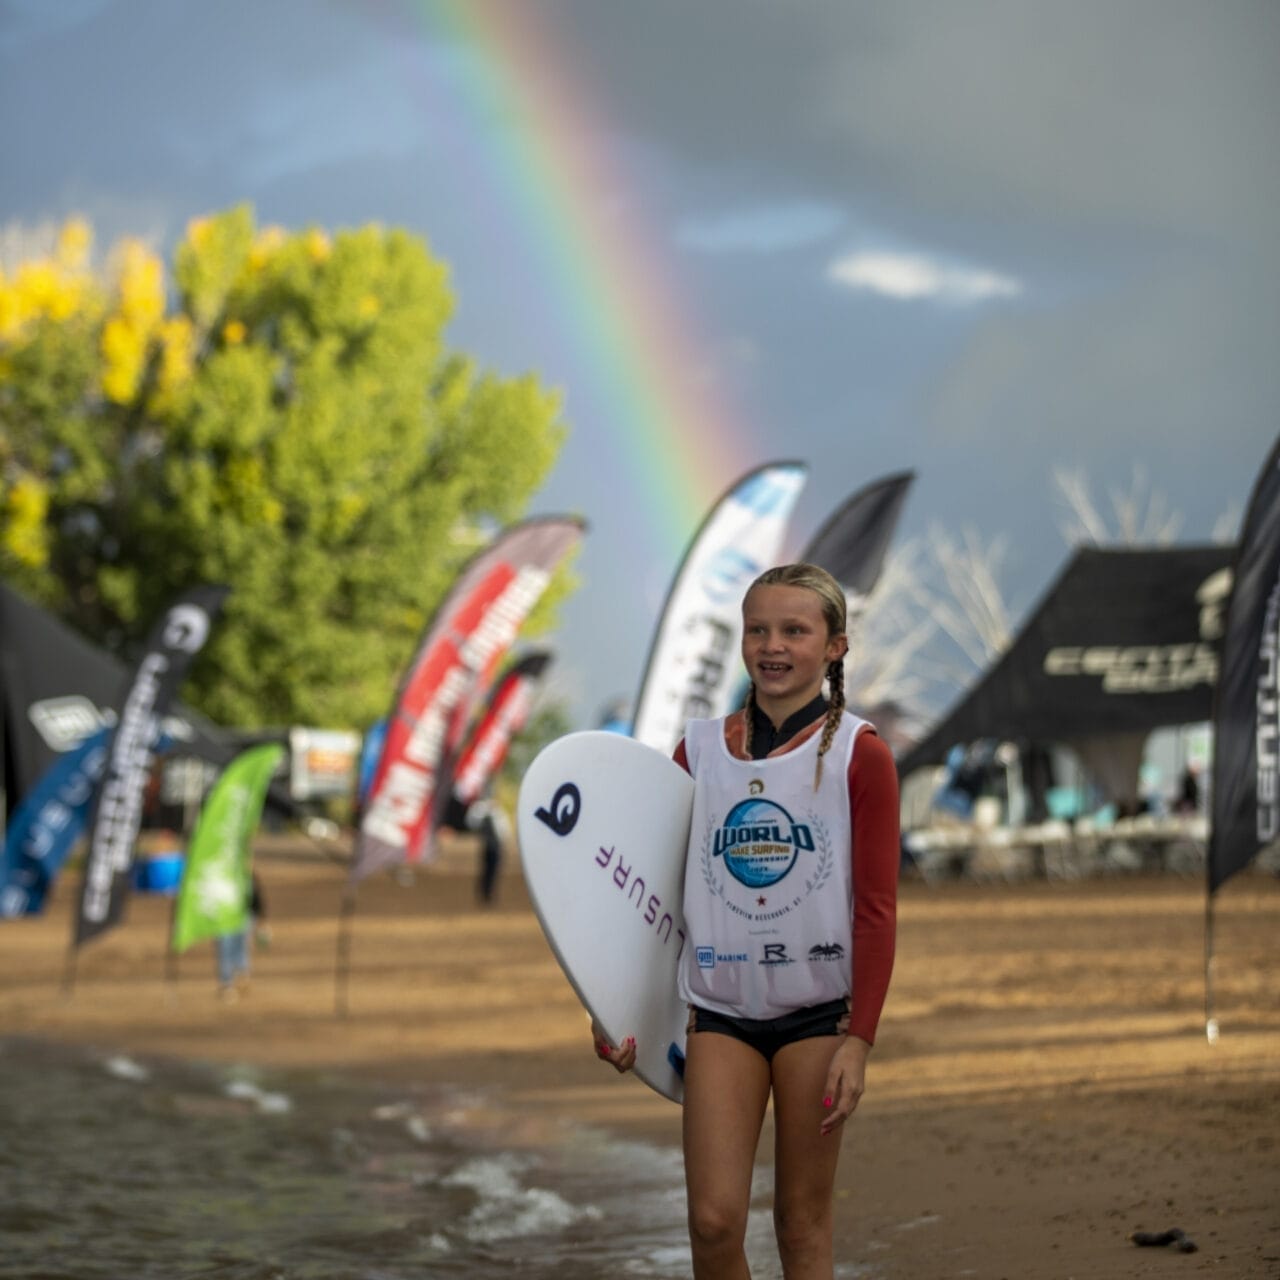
(675, 1057)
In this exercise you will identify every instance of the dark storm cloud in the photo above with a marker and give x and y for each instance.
(1157, 112)
(974, 237)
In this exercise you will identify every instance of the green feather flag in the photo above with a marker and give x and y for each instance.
(214, 897)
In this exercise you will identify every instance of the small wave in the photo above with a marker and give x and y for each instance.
(126, 1069)
(506, 1209)
(271, 1104)
(414, 1124)
(924, 1220)
(662, 1261)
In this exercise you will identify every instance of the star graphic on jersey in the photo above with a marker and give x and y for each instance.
(761, 901)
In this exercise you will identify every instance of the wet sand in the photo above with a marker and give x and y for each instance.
(1041, 1089)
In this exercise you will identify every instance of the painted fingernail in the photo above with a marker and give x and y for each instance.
(631, 1040)
(826, 1102)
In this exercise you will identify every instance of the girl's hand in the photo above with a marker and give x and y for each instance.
(846, 1082)
(622, 1058)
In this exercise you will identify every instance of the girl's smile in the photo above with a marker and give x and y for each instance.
(786, 648)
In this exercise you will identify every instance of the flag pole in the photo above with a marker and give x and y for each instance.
(69, 969)
(343, 962)
(1210, 1019)
(170, 954)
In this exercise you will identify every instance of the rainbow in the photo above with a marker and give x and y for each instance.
(608, 281)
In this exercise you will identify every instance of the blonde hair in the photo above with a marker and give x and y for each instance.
(835, 612)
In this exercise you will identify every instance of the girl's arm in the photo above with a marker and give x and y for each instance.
(873, 798)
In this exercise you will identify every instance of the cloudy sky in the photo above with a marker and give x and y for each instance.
(982, 240)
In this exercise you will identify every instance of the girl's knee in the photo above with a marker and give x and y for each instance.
(714, 1226)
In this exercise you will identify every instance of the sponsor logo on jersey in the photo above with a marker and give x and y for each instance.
(775, 953)
(709, 957)
(826, 951)
(759, 842)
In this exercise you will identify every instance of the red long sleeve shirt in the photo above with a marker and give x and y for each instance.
(873, 810)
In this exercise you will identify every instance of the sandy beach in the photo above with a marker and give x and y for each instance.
(1041, 1089)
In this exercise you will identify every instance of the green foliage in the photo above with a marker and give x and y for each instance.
(292, 424)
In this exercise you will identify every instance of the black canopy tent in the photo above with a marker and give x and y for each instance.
(1124, 642)
(55, 686)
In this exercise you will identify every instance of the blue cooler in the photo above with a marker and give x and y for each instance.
(159, 873)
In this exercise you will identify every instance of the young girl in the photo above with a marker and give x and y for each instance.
(790, 906)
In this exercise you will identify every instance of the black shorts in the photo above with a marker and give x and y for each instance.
(767, 1035)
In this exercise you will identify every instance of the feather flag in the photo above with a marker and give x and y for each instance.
(213, 898)
(1246, 738)
(507, 714)
(475, 625)
(47, 823)
(175, 640)
(852, 544)
(695, 649)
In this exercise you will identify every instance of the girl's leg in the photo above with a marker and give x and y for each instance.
(804, 1164)
(726, 1088)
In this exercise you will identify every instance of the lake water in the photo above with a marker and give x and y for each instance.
(120, 1167)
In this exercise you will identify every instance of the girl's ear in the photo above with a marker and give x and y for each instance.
(837, 647)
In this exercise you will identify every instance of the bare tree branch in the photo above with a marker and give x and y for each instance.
(1073, 486)
(1142, 514)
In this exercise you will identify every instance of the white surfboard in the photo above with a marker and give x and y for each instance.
(603, 823)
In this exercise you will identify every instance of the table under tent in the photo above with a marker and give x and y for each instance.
(1037, 768)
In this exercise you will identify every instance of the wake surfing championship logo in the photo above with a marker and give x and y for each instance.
(758, 846)
(760, 843)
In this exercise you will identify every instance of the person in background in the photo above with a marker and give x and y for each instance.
(258, 913)
(488, 821)
(232, 949)
(1188, 801)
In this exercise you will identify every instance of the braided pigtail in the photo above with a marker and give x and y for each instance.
(748, 714)
(835, 709)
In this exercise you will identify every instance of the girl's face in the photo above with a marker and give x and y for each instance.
(785, 644)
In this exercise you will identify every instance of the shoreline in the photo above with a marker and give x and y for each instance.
(1041, 1085)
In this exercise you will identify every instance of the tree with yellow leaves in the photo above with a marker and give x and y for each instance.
(282, 414)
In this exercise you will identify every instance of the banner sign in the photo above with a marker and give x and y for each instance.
(476, 624)
(507, 714)
(322, 762)
(1246, 745)
(47, 823)
(696, 646)
(1124, 642)
(213, 898)
(852, 544)
(117, 815)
